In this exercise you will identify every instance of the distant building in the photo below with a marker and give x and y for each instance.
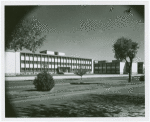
(116, 67)
(55, 62)
(17, 63)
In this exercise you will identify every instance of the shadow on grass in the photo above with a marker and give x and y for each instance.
(32, 90)
(93, 105)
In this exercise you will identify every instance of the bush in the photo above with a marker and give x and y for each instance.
(142, 78)
(44, 81)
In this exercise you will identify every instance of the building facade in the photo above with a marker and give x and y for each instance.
(116, 67)
(53, 62)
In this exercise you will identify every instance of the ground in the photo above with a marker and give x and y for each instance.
(97, 97)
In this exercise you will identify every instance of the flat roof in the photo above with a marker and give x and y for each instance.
(54, 55)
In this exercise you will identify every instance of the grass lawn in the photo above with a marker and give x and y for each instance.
(109, 98)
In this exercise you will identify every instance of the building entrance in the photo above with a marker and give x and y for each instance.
(63, 69)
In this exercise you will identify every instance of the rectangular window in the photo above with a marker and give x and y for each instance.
(31, 58)
(42, 58)
(22, 57)
(38, 58)
(64, 60)
(52, 59)
(39, 66)
(55, 59)
(45, 59)
(35, 65)
(50, 66)
(22, 65)
(58, 59)
(35, 58)
(61, 60)
(27, 65)
(27, 57)
(31, 65)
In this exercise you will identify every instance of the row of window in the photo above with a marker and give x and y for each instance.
(37, 69)
(38, 62)
(51, 66)
(55, 59)
(101, 72)
(106, 67)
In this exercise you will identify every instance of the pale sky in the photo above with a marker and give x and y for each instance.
(89, 31)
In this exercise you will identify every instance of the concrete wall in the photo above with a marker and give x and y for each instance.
(122, 66)
(134, 68)
(12, 63)
(18, 62)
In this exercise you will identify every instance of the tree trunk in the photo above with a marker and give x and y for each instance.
(130, 72)
(129, 76)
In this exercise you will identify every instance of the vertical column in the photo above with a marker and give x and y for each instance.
(71, 63)
(20, 62)
(25, 62)
(29, 64)
(33, 63)
(54, 64)
(40, 62)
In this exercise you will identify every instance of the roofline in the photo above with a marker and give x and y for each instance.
(55, 55)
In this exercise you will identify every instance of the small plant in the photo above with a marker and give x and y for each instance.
(80, 72)
(142, 78)
(44, 81)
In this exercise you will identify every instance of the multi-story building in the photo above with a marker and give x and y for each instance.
(116, 67)
(17, 63)
(54, 62)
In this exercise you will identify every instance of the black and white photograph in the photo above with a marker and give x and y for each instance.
(75, 60)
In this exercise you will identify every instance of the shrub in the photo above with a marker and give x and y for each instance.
(142, 78)
(44, 81)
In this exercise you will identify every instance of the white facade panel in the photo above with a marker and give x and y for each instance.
(122, 67)
(60, 53)
(50, 52)
(10, 62)
(134, 68)
(18, 62)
